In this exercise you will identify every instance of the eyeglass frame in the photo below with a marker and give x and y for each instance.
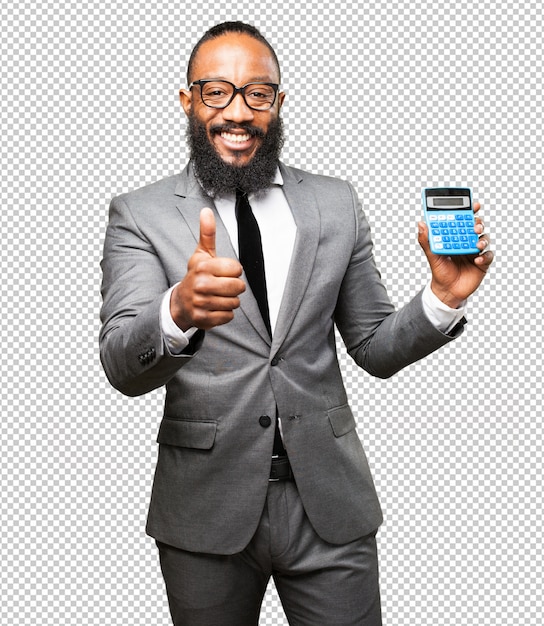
(237, 90)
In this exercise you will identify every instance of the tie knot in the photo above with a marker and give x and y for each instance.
(243, 210)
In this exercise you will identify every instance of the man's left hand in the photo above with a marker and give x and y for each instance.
(455, 278)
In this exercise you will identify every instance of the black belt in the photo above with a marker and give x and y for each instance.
(280, 469)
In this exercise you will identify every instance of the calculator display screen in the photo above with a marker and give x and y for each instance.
(443, 202)
(448, 202)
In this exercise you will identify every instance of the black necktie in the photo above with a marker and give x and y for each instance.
(250, 251)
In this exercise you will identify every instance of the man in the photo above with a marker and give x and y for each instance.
(260, 469)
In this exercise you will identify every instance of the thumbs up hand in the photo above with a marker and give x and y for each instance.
(208, 294)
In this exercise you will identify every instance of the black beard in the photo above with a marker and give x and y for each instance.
(220, 178)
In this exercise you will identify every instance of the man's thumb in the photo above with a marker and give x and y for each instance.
(207, 231)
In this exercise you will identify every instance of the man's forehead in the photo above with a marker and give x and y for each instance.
(235, 53)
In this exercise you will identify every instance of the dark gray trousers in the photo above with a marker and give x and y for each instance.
(319, 584)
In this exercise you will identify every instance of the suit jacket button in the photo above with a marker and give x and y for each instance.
(265, 421)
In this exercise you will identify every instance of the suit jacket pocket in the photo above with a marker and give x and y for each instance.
(341, 420)
(187, 433)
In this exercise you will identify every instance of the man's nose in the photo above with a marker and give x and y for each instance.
(237, 110)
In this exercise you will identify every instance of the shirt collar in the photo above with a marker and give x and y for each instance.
(278, 178)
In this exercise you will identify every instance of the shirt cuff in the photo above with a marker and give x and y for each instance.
(443, 317)
(174, 338)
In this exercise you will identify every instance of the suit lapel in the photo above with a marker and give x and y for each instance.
(304, 207)
(195, 200)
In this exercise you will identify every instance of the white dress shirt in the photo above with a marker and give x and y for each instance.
(278, 233)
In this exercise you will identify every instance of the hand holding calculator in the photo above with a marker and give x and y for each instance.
(450, 218)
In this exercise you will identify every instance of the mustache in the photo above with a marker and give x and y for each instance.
(252, 131)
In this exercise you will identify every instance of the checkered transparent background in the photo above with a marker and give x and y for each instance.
(391, 95)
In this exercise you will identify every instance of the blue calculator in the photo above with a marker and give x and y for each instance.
(450, 218)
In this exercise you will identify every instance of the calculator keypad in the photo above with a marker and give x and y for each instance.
(454, 232)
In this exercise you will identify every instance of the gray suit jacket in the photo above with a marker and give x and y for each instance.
(214, 455)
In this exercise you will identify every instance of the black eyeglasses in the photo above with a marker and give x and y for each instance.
(218, 94)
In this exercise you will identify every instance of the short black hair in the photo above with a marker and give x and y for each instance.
(230, 27)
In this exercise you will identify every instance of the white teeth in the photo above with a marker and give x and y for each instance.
(235, 138)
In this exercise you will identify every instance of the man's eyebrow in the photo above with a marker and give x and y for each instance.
(256, 79)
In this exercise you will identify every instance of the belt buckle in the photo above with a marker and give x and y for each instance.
(274, 480)
(284, 465)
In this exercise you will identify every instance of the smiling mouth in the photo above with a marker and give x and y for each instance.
(232, 138)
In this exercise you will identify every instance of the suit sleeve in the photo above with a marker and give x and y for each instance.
(380, 339)
(134, 282)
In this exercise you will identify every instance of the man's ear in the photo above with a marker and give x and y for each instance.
(186, 100)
